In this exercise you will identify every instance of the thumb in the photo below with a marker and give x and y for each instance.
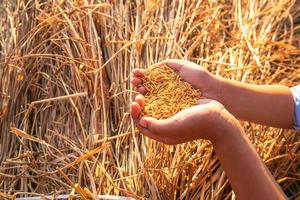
(204, 101)
(160, 127)
(173, 63)
(209, 101)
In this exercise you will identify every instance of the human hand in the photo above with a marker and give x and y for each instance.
(207, 120)
(202, 121)
(192, 73)
(210, 120)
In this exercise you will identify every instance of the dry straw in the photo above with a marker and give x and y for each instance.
(167, 93)
(65, 92)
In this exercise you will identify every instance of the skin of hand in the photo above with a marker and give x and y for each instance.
(271, 105)
(203, 121)
(197, 76)
(209, 120)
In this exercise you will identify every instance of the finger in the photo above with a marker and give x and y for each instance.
(146, 132)
(170, 141)
(209, 101)
(151, 135)
(204, 101)
(140, 100)
(163, 127)
(136, 82)
(165, 140)
(135, 110)
(142, 90)
(175, 64)
(139, 72)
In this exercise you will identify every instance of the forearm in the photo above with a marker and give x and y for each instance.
(264, 104)
(247, 174)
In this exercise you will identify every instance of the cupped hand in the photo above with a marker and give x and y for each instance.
(203, 121)
(192, 73)
(207, 120)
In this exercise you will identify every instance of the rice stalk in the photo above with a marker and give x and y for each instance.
(51, 50)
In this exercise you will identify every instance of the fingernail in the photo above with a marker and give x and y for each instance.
(143, 123)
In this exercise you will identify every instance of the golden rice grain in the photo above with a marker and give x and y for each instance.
(167, 93)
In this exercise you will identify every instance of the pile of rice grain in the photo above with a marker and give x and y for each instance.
(167, 93)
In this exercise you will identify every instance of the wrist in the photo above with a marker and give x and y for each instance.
(226, 128)
(212, 86)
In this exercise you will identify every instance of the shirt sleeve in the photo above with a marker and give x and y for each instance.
(296, 94)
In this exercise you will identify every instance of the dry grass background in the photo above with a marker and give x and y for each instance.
(65, 92)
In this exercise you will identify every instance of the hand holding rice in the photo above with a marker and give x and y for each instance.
(167, 93)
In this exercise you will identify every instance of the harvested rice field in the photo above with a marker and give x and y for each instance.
(65, 94)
